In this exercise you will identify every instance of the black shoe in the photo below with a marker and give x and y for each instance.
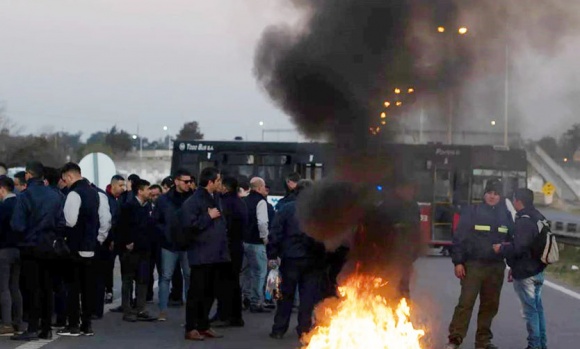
(96, 317)
(58, 325)
(69, 332)
(144, 316)
(246, 304)
(45, 335)
(118, 309)
(25, 336)
(276, 335)
(130, 318)
(259, 309)
(87, 331)
(108, 298)
(237, 323)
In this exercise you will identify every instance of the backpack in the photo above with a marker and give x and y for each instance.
(545, 246)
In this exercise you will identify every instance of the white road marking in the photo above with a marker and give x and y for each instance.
(562, 289)
(41, 343)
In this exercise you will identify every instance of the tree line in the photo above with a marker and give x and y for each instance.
(56, 148)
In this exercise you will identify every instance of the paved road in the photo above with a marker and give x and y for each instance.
(435, 291)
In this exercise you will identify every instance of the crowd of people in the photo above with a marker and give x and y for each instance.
(210, 242)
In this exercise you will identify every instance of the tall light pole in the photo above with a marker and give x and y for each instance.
(507, 91)
(261, 123)
(140, 144)
(166, 129)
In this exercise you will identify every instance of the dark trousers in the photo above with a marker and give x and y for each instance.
(103, 257)
(80, 283)
(485, 280)
(176, 293)
(230, 299)
(302, 274)
(60, 268)
(39, 289)
(109, 273)
(134, 268)
(204, 288)
(155, 262)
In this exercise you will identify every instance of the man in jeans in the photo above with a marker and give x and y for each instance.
(255, 240)
(10, 297)
(527, 270)
(167, 206)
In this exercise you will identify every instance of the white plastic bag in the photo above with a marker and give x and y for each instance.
(273, 285)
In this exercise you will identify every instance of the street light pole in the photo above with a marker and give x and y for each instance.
(506, 97)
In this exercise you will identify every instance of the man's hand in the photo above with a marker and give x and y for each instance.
(130, 246)
(214, 213)
(272, 263)
(510, 277)
(497, 248)
(460, 271)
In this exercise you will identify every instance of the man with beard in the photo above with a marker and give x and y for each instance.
(479, 268)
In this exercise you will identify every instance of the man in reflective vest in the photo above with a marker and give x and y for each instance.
(480, 270)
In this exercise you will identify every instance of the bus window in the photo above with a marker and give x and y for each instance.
(275, 177)
(443, 186)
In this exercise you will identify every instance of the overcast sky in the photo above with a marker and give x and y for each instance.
(80, 65)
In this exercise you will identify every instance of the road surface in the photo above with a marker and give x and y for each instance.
(435, 291)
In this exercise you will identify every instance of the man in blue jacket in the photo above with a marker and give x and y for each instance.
(527, 269)
(38, 217)
(302, 265)
(479, 268)
(167, 206)
(208, 255)
(10, 296)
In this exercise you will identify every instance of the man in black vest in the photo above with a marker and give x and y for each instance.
(255, 240)
(88, 221)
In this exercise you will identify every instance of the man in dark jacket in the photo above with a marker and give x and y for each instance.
(527, 269)
(302, 265)
(229, 311)
(10, 296)
(114, 192)
(208, 254)
(88, 220)
(291, 182)
(38, 217)
(164, 215)
(133, 241)
(479, 268)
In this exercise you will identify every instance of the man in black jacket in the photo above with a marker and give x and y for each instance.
(208, 254)
(527, 269)
(302, 265)
(229, 311)
(10, 296)
(38, 217)
(291, 182)
(134, 243)
(164, 215)
(88, 221)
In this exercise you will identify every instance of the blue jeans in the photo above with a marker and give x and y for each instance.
(529, 292)
(256, 263)
(168, 261)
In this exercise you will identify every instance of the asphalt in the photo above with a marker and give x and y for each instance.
(435, 291)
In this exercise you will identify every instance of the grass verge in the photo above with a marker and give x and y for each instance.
(562, 271)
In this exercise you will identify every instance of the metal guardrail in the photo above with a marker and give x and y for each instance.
(566, 232)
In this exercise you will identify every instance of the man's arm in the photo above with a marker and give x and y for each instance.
(275, 236)
(21, 214)
(72, 206)
(194, 216)
(262, 213)
(458, 255)
(104, 218)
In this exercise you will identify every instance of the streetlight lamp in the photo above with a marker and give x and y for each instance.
(261, 123)
(492, 122)
(166, 129)
(140, 144)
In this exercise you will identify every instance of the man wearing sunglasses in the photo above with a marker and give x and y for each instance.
(167, 205)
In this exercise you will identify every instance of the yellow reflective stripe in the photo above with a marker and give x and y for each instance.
(502, 230)
(482, 228)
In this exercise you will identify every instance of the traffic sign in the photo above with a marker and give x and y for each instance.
(548, 189)
(98, 168)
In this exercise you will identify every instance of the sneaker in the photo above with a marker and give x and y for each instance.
(144, 316)
(130, 317)
(259, 309)
(87, 331)
(118, 309)
(162, 316)
(194, 335)
(6, 331)
(25, 336)
(69, 332)
(108, 298)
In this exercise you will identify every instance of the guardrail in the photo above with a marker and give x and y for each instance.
(566, 232)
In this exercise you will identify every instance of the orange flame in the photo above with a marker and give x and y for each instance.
(362, 319)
